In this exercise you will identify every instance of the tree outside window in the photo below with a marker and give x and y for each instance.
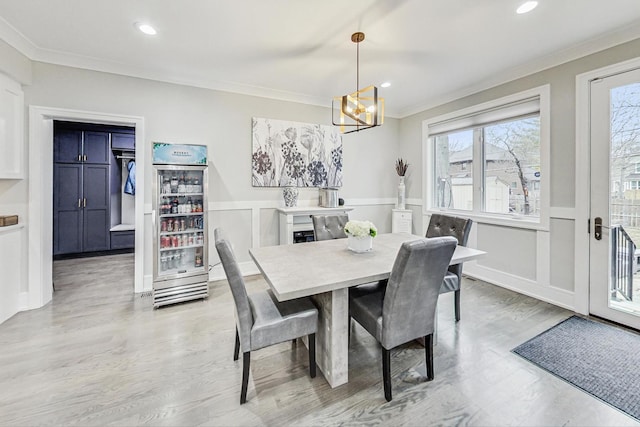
(510, 166)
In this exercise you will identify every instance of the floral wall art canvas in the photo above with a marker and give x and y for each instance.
(295, 154)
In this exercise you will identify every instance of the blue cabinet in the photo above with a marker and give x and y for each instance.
(76, 146)
(80, 208)
(81, 190)
(123, 239)
(123, 141)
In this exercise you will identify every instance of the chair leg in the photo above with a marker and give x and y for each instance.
(386, 373)
(428, 350)
(237, 349)
(456, 295)
(312, 355)
(246, 361)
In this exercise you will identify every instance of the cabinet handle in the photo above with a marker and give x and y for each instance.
(84, 203)
(79, 157)
(84, 158)
(79, 203)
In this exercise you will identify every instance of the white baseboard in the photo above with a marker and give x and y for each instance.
(23, 301)
(552, 295)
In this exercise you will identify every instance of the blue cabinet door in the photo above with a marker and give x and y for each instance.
(67, 208)
(123, 141)
(96, 236)
(96, 147)
(67, 146)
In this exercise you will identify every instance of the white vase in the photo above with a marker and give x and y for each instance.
(401, 194)
(359, 244)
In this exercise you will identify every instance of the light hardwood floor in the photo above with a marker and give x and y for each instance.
(98, 355)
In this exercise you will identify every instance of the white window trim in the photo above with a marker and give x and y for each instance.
(543, 92)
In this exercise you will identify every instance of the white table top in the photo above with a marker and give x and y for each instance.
(304, 269)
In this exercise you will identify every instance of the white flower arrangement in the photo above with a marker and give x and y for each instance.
(360, 229)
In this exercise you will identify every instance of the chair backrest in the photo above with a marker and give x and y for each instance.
(444, 225)
(412, 291)
(238, 290)
(327, 227)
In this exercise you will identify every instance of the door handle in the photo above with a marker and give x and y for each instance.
(84, 158)
(84, 202)
(597, 232)
(79, 157)
(79, 203)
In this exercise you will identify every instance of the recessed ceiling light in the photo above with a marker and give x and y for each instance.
(385, 84)
(527, 7)
(146, 28)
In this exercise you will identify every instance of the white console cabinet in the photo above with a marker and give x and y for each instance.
(401, 220)
(299, 219)
(11, 131)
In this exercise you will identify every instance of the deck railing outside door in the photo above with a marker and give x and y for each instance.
(622, 263)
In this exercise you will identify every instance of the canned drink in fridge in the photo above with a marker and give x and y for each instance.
(163, 225)
(174, 241)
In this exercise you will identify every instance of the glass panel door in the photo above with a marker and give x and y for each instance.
(615, 198)
(181, 221)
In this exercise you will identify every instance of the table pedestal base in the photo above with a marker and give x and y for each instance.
(332, 338)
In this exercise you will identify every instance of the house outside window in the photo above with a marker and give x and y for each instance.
(504, 147)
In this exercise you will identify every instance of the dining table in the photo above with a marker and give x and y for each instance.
(325, 270)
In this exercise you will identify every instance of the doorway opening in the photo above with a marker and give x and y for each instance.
(41, 196)
(94, 189)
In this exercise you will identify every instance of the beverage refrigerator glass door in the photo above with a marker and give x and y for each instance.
(181, 222)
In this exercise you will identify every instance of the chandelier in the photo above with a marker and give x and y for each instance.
(362, 109)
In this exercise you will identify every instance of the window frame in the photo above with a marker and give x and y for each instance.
(514, 220)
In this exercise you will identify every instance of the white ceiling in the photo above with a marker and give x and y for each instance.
(432, 51)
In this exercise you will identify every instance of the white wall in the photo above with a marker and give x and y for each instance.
(222, 121)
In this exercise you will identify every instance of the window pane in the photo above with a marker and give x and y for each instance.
(512, 155)
(453, 186)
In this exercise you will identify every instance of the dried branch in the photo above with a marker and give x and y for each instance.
(401, 167)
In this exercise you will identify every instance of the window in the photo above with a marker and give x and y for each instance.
(488, 160)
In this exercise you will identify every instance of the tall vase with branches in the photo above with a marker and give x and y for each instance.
(401, 170)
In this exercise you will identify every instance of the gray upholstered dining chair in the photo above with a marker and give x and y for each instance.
(327, 227)
(406, 309)
(444, 225)
(261, 320)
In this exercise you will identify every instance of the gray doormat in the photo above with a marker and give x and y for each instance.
(600, 359)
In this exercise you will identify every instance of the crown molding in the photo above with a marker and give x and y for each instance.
(17, 40)
(97, 64)
(25, 46)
